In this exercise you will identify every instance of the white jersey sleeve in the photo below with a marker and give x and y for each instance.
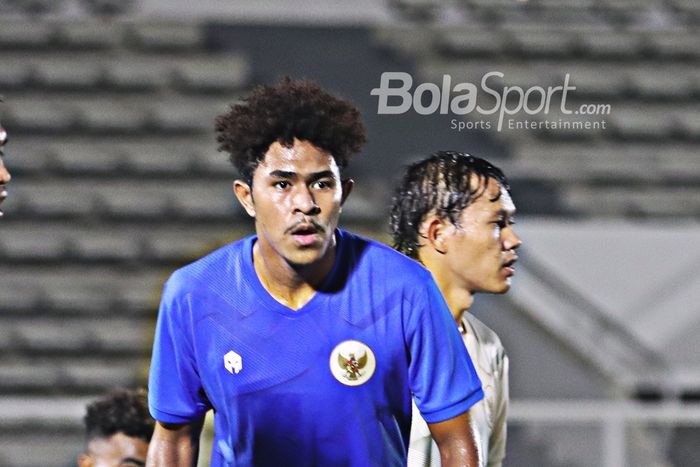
(488, 416)
(497, 440)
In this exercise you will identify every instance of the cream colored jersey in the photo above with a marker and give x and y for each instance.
(488, 415)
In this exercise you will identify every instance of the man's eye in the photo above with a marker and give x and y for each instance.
(281, 184)
(322, 184)
(503, 222)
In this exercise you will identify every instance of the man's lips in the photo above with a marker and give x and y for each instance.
(508, 266)
(306, 233)
(305, 239)
(305, 227)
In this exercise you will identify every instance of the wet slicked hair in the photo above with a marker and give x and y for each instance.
(445, 183)
(291, 109)
(122, 410)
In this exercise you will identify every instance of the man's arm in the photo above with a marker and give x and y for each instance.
(455, 440)
(174, 445)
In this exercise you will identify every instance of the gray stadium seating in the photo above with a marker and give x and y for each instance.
(13, 77)
(63, 74)
(179, 37)
(88, 35)
(136, 74)
(611, 44)
(675, 44)
(118, 181)
(40, 116)
(21, 35)
(76, 158)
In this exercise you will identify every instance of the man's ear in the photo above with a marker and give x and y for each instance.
(244, 193)
(84, 461)
(434, 232)
(346, 186)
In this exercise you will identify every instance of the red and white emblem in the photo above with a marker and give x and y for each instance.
(352, 363)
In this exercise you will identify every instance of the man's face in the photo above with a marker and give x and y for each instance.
(119, 450)
(296, 200)
(481, 249)
(4, 174)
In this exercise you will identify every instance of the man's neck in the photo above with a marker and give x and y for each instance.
(458, 299)
(291, 285)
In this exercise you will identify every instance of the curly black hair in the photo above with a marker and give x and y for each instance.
(291, 109)
(441, 183)
(122, 410)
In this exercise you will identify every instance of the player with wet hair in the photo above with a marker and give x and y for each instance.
(453, 213)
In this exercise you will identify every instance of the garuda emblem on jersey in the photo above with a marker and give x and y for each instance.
(352, 363)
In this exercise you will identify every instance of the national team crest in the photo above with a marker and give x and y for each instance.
(352, 363)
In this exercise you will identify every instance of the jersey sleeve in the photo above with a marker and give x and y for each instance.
(175, 393)
(441, 374)
(497, 441)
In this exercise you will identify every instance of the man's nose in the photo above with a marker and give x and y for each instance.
(4, 174)
(304, 201)
(511, 241)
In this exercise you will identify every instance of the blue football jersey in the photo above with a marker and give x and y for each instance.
(328, 384)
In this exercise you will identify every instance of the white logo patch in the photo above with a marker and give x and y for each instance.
(233, 362)
(352, 363)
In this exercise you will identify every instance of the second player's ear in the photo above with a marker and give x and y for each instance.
(244, 193)
(346, 186)
(84, 461)
(435, 232)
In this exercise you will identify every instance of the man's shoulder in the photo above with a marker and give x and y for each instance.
(373, 253)
(225, 260)
(484, 334)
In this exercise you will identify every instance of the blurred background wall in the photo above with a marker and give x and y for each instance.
(117, 182)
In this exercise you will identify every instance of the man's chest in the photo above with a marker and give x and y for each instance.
(325, 356)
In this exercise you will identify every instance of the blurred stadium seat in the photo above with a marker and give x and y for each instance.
(88, 35)
(164, 37)
(24, 36)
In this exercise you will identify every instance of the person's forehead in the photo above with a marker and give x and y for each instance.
(301, 157)
(487, 200)
(118, 445)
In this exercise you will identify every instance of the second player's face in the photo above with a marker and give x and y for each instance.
(481, 250)
(119, 450)
(297, 196)
(4, 174)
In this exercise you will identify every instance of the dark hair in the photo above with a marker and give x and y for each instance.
(441, 183)
(291, 109)
(122, 410)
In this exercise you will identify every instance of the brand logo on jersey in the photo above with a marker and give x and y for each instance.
(352, 363)
(233, 362)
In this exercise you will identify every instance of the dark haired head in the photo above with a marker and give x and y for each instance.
(291, 109)
(122, 410)
(444, 183)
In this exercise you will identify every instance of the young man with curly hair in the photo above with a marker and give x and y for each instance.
(118, 429)
(453, 213)
(307, 341)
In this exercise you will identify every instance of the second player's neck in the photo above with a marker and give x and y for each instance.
(458, 299)
(291, 286)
